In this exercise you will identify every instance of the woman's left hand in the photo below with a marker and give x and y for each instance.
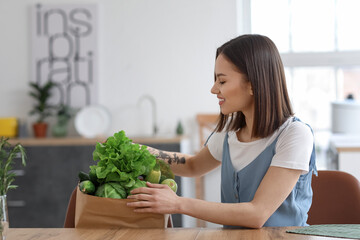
(156, 198)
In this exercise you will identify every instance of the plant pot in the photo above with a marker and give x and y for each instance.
(40, 129)
(61, 127)
(59, 130)
(4, 217)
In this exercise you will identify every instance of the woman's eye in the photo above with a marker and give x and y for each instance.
(221, 82)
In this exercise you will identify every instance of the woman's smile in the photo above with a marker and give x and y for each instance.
(221, 101)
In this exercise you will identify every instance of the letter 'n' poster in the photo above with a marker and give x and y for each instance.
(64, 50)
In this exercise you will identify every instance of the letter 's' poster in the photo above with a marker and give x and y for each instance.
(64, 50)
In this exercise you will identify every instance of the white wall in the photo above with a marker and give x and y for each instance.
(164, 48)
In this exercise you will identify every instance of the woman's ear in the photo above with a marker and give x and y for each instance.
(251, 92)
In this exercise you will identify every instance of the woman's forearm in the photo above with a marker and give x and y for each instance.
(179, 162)
(169, 157)
(187, 165)
(238, 214)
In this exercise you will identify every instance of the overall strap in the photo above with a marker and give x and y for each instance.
(208, 138)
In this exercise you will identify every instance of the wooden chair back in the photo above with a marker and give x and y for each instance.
(336, 199)
(206, 123)
(70, 212)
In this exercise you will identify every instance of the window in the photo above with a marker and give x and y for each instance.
(307, 25)
(320, 48)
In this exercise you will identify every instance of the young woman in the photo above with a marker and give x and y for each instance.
(266, 154)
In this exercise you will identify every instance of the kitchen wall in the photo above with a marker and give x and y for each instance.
(164, 48)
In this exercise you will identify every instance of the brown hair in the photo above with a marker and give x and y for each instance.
(257, 57)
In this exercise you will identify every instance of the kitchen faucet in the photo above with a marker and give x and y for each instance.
(153, 105)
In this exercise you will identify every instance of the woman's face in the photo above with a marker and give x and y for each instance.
(232, 88)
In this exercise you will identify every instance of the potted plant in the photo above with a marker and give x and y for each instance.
(64, 114)
(41, 94)
(7, 176)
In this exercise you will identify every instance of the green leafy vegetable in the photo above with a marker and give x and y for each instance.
(111, 190)
(120, 160)
(138, 183)
(121, 167)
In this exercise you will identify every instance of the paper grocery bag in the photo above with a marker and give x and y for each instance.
(99, 212)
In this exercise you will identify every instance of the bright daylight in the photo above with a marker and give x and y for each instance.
(191, 119)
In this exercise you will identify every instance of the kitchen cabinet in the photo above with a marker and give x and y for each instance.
(46, 183)
(349, 161)
(347, 153)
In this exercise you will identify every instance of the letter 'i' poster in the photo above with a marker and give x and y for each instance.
(64, 50)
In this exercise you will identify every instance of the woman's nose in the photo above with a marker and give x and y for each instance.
(214, 89)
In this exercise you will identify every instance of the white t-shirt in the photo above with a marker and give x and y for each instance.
(293, 148)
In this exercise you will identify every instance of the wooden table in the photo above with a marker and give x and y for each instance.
(171, 234)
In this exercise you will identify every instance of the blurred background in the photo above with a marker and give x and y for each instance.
(153, 67)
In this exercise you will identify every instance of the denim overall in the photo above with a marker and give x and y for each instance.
(237, 187)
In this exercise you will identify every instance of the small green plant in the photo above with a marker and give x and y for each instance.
(64, 113)
(41, 94)
(7, 155)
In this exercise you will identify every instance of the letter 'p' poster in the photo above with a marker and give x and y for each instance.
(64, 50)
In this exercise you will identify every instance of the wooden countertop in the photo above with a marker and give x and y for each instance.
(80, 141)
(348, 149)
(170, 234)
(345, 142)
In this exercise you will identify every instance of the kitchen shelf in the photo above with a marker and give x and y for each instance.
(80, 141)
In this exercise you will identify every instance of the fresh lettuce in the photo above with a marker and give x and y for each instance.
(121, 161)
(138, 183)
(111, 190)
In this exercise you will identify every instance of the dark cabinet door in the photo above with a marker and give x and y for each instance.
(45, 185)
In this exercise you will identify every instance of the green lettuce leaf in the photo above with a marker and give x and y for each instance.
(138, 183)
(111, 190)
(120, 160)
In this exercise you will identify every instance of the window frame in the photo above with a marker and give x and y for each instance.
(336, 59)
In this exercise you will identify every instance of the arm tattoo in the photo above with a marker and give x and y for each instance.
(174, 158)
(167, 156)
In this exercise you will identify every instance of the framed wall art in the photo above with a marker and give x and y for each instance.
(64, 50)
